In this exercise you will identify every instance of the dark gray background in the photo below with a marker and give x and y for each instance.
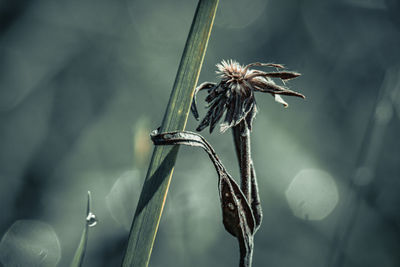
(79, 77)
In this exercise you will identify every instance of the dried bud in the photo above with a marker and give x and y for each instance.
(234, 94)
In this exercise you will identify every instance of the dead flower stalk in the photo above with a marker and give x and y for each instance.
(234, 96)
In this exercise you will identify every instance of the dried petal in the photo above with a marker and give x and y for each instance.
(250, 116)
(204, 122)
(217, 114)
(272, 88)
(279, 99)
(258, 64)
(193, 108)
(229, 114)
(237, 215)
(233, 203)
(212, 95)
(284, 75)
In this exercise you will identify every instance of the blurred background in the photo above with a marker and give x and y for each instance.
(83, 82)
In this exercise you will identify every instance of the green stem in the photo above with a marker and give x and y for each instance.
(91, 221)
(155, 188)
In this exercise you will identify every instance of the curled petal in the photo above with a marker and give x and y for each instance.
(237, 214)
(279, 99)
(284, 75)
(250, 110)
(205, 85)
(248, 104)
(215, 110)
(272, 88)
(250, 116)
(217, 114)
(214, 92)
(229, 114)
(238, 111)
(204, 122)
(259, 64)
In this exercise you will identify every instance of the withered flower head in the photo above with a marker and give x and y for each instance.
(235, 93)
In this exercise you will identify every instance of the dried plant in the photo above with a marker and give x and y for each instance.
(237, 215)
(234, 95)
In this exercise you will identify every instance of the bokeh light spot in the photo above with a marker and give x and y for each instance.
(122, 198)
(312, 194)
(30, 243)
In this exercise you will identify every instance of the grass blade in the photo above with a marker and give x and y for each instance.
(155, 188)
(90, 222)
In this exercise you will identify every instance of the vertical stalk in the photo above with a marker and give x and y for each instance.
(248, 179)
(155, 188)
(241, 137)
(255, 198)
(246, 252)
(91, 221)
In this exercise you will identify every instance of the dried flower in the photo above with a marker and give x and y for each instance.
(235, 93)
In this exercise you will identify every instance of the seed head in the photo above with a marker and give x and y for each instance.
(234, 94)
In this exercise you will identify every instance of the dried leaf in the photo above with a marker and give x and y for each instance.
(193, 107)
(237, 215)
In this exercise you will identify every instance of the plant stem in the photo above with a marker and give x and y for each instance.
(155, 188)
(255, 202)
(248, 179)
(241, 137)
(248, 184)
(237, 215)
(246, 252)
(79, 256)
